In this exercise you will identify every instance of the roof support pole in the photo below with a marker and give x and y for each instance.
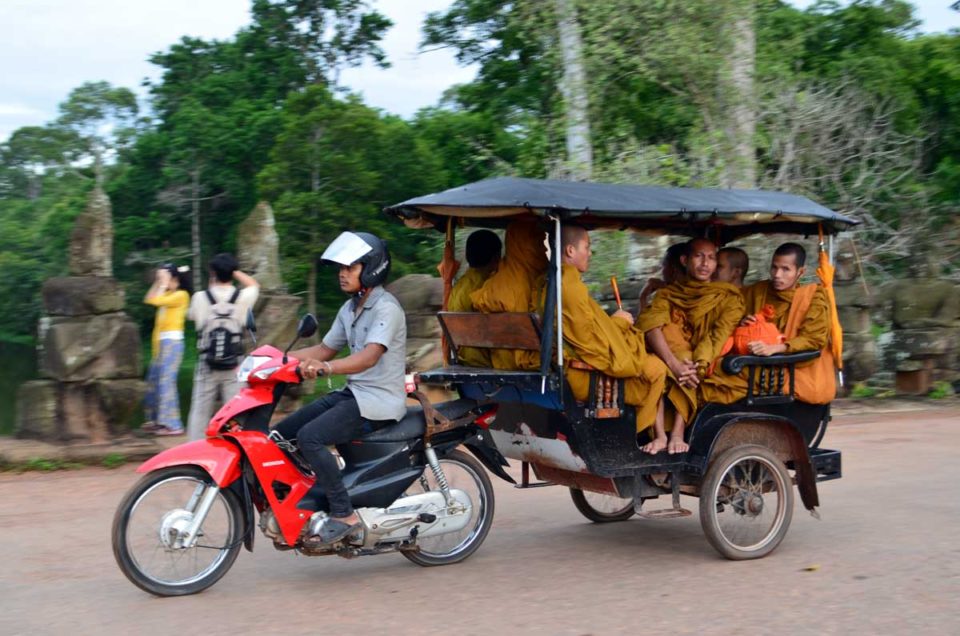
(559, 261)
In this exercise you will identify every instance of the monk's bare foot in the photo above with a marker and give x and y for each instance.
(657, 445)
(677, 445)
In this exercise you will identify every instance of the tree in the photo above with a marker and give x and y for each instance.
(101, 119)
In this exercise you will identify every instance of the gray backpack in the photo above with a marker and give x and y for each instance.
(221, 341)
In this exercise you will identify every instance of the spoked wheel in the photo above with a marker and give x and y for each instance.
(463, 473)
(746, 502)
(149, 525)
(601, 507)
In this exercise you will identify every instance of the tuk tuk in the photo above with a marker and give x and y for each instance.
(743, 458)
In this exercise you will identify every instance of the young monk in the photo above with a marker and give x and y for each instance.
(609, 344)
(802, 314)
(732, 266)
(687, 326)
(512, 287)
(483, 256)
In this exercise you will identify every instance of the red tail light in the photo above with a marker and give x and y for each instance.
(485, 419)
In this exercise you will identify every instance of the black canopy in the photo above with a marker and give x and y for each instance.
(724, 214)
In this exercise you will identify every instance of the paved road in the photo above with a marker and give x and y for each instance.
(884, 559)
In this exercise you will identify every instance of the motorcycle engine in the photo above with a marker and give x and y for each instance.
(270, 527)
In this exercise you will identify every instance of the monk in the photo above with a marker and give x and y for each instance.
(687, 326)
(512, 287)
(609, 344)
(671, 270)
(802, 314)
(732, 266)
(483, 256)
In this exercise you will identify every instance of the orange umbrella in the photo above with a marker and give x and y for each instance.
(448, 268)
(825, 272)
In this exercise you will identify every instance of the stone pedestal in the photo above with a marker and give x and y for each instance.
(89, 350)
(258, 247)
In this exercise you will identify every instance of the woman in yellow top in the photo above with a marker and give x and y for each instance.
(170, 294)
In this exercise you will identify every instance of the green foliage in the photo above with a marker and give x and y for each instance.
(862, 390)
(940, 390)
(113, 460)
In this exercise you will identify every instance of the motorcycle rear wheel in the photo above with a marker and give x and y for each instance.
(465, 473)
(155, 502)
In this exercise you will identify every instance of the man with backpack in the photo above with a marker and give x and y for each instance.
(220, 314)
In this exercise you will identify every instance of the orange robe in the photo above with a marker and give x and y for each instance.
(512, 287)
(696, 319)
(612, 346)
(459, 300)
(803, 317)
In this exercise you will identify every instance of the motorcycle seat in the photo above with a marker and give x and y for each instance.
(413, 424)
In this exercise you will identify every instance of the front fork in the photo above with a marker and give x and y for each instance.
(199, 507)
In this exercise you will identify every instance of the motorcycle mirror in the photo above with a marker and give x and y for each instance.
(307, 326)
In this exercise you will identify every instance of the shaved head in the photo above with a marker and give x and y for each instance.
(572, 234)
(575, 246)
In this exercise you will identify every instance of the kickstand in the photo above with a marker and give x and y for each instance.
(668, 513)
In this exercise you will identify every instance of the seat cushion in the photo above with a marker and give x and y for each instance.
(413, 424)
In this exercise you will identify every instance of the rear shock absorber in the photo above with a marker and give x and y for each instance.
(438, 473)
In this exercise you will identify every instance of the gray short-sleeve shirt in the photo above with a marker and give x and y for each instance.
(379, 390)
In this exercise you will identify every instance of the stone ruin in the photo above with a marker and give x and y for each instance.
(924, 344)
(276, 311)
(89, 349)
(855, 300)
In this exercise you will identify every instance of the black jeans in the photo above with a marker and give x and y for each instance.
(333, 419)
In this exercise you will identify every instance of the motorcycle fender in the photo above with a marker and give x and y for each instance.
(489, 457)
(220, 458)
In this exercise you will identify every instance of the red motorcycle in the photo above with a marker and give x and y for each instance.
(181, 527)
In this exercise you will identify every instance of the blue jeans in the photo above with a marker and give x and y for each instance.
(161, 403)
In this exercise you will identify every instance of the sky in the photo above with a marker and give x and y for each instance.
(52, 46)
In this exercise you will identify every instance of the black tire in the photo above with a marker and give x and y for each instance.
(737, 487)
(178, 479)
(480, 527)
(596, 515)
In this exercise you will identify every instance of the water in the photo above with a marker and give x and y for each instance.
(18, 363)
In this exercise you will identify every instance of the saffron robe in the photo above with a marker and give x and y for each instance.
(471, 281)
(512, 287)
(696, 319)
(806, 326)
(610, 345)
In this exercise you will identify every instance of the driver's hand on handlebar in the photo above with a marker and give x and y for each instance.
(311, 369)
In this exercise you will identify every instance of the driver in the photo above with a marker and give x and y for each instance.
(372, 324)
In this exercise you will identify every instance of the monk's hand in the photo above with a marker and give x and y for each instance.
(687, 374)
(748, 320)
(758, 348)
(625, 315)
(311, 369)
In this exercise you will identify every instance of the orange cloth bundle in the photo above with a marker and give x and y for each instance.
(762, 330)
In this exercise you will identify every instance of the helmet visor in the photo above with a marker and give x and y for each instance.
(346, 249)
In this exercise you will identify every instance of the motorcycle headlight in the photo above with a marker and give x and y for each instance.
(249, 364)
(263, 374)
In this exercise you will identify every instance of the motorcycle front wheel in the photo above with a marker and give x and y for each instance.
(147, 524)
(464, 473)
